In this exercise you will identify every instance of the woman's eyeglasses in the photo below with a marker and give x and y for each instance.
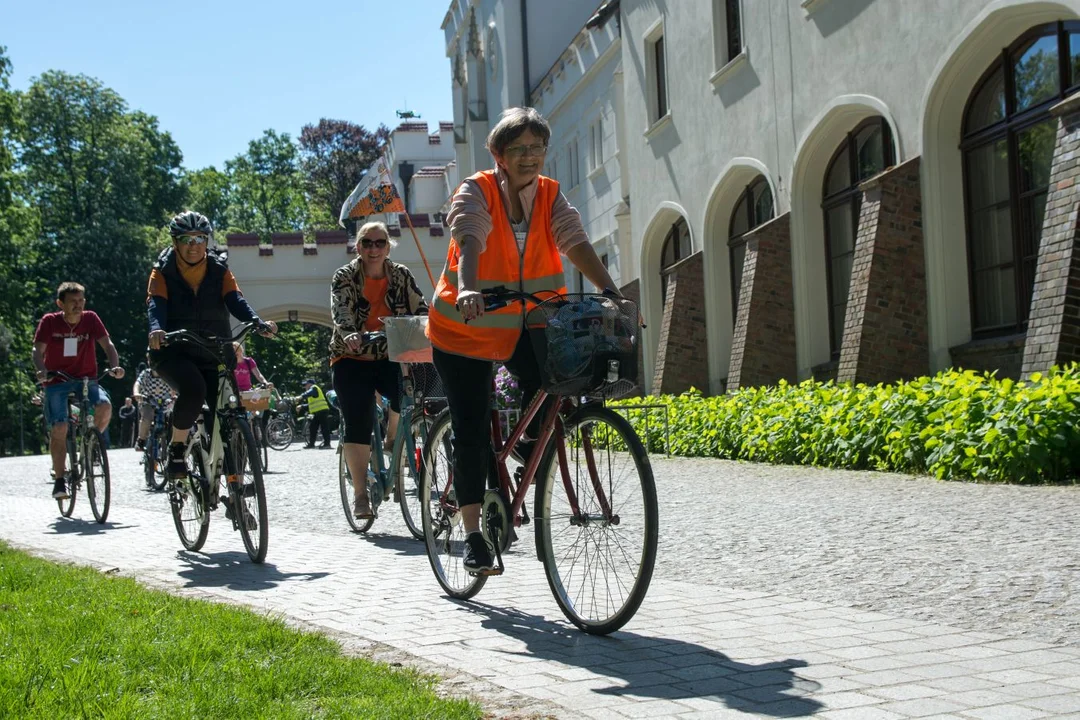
(191, 239)
(518, 151)
(380, 243)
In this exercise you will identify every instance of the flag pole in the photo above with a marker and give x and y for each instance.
(408, 221)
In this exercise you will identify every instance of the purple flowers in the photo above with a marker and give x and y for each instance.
(507, 392)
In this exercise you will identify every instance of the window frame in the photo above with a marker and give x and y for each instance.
(736, 242)
(596, 144)
(1009, 128)
(657, 96)
(851, 196)
(674, 234)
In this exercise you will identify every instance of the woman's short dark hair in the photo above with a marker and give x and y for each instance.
(512, 123)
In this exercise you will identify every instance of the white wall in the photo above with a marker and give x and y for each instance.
(805, 80)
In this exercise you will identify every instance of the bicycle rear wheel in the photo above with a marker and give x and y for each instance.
(444, 532)
(279, 433)
(348, 494)
(599, 560)
(248, 495)
(96, 475)
(68, 506)
(408, 466)
(188, 501)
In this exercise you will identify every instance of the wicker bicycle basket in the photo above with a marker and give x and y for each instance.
(586, 345)
(406, 338)
(255, 400)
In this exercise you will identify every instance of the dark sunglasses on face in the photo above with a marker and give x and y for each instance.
(379, 243)
(191, 239)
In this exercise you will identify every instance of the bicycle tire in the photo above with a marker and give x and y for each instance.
(279, 433)
(249, 491)
(408, 467)
(260, 443)
(444, 533)
(347, 495)
(159, 451)
(600, 598)
(96, 475)
(67, 506)
(190, 513)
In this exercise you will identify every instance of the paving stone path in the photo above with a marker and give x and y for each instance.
(779, 592)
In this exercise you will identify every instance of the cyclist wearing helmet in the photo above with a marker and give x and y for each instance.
(509, 227)
(191, 288)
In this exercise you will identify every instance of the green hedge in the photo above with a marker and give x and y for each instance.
(956, 425)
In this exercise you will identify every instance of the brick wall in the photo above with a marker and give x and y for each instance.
(682, 354)
(1053, 335)
(632, 291)
(1004, 355)
(763, 345)
(885, 336)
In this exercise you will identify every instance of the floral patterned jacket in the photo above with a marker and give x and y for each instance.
(349, 309)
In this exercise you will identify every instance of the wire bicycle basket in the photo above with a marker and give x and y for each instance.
(586, 345)
(406, 338)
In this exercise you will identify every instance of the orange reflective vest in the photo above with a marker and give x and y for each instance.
(538, 270)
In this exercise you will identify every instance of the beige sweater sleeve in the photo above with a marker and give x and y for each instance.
(469, 216)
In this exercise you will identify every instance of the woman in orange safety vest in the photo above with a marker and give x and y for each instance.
(509, 226)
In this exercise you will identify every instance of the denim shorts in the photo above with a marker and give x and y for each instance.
(56, 404)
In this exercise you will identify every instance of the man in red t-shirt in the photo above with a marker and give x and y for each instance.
(66, 341)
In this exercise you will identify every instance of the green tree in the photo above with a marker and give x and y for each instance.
(266, 194)
(208, 193)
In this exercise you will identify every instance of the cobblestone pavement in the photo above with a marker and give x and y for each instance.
(778, 592)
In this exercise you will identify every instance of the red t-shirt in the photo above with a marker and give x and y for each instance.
(71, 349)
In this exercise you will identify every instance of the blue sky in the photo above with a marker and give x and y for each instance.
(216, 74)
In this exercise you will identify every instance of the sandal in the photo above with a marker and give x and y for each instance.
(361, 509)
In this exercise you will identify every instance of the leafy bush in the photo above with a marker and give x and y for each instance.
(955, 425)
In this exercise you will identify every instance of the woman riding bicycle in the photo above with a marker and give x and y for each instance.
(191, 288)
(509, 226)
(362, 292)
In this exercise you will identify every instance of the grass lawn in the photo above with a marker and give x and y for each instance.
(76, 643)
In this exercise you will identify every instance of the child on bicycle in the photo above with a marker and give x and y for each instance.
(509, 226)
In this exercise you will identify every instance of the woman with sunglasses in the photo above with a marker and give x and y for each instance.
(363, 292)
(191, 288)
(509, 227)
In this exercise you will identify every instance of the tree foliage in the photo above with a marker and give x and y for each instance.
(333, 156)
(266, 193)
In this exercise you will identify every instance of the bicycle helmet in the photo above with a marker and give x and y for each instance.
(190, 222)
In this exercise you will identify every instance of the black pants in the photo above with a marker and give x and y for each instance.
(194, 377)
(467, 383)
(356, 382)
(127, 427)
(320, 419)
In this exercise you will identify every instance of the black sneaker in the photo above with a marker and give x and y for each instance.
(59, 490)
(477, 557)
(177, 466)
(140, 444)
(249, 519)
(522, 451)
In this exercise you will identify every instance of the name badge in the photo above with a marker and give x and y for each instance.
(71, 347)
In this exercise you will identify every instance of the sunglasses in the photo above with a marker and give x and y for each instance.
(191, 239)
(517, 151)
(379, 243)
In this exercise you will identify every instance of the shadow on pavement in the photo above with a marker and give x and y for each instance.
(78, 526)
(651, 667)
(400, 544)
(235, 571)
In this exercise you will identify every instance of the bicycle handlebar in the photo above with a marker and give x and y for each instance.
(53, 374)
(212, 344)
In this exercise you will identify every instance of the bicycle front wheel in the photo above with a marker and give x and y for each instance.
(598, 558)
(279, 433)
(157, 452)
(67, 506)
(261, 444)
(247, 491)
(96, 475)
(188, 501)
(408, 465)
(444, 531)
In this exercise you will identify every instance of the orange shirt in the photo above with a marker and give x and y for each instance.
(375, 294)
(193, 275)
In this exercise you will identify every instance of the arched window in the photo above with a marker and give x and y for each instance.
(676, 247)
(865, 152)
(755, 206)
(1008, 147)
